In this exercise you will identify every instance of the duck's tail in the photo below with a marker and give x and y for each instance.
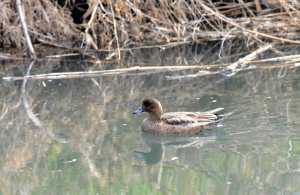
(227, 114)
(221, 117)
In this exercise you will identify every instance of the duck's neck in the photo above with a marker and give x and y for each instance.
(154, 116)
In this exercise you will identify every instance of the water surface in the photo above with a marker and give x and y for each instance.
(78, 136)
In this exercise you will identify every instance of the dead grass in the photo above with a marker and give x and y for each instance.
(43, 18)
(117, 24)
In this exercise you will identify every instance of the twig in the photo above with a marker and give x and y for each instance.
(97, 73)
(291, 65)
(247, 8)
(276, 14)
(24, 28)
(230, 70)
(45, 36)
(257, 5)
(278, 59)
(56, 45)
(255, 33)
(87, 35)
(115, 31)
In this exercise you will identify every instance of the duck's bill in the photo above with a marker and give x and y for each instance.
(140, 153)
(138, 111)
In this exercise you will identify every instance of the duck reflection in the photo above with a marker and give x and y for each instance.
(157, 142)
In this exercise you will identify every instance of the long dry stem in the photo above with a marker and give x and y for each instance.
(25, 31)
(230, 70)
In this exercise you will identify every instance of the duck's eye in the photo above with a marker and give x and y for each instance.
(147, 104)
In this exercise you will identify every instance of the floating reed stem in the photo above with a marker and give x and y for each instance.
(230, 70)
(65, 75)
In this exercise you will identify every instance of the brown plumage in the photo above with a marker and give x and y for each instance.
(176, 122)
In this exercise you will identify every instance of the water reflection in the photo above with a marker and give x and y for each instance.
(157, 142)
(78, 136)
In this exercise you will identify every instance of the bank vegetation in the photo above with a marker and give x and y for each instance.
(118, 24)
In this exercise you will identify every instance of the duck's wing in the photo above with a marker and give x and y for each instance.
(177, 118)
(184, 118)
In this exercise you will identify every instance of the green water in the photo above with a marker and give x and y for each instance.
(79, 136)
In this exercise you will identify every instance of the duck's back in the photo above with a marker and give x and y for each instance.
(186, 118)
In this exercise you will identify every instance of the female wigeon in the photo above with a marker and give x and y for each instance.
(176, 122)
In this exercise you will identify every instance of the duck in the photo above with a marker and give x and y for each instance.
(176, 122)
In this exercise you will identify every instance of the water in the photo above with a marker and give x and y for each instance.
(78, 136)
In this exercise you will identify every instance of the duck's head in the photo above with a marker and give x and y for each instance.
(152, 106)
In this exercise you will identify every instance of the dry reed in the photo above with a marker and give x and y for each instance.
(118, 24)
